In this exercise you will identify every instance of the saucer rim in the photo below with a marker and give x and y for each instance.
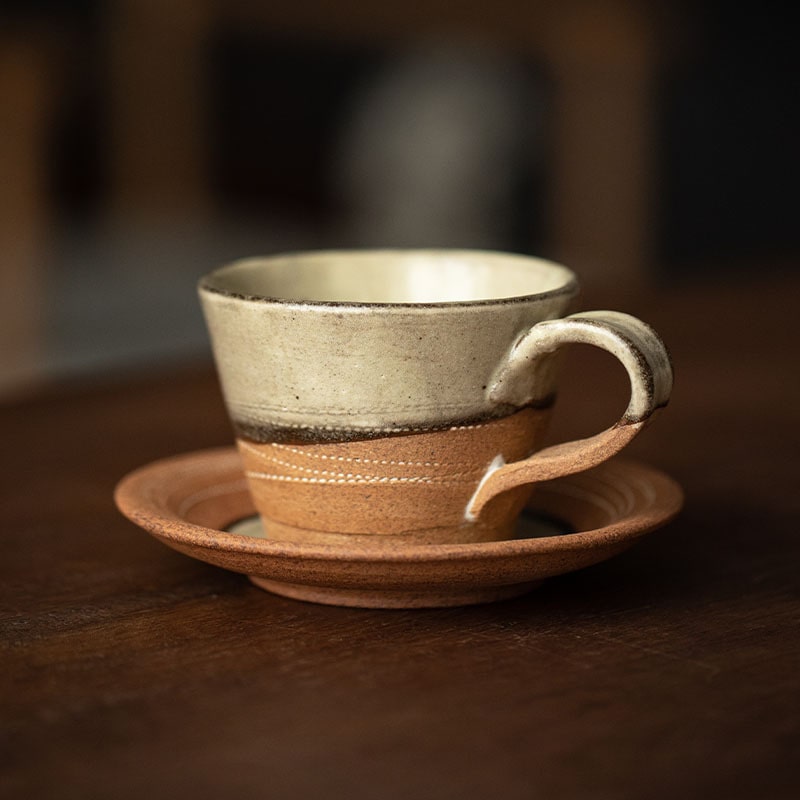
(150, 512)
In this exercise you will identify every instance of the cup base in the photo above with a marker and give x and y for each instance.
(440, 597)
(391, 542)
(409, 489)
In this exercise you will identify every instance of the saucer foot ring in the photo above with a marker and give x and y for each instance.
(398, 598)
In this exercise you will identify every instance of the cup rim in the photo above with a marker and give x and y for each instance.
(569, 287)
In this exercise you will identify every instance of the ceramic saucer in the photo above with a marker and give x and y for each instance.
(199, 504)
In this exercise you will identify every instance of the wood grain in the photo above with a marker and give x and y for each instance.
(669, 671)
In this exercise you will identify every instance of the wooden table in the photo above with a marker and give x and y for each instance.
(131, 671)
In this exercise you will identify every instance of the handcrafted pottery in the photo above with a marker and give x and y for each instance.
(405, 394)
(189, 501)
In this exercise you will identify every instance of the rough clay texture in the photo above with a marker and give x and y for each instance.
(187, 502)
(413, 488)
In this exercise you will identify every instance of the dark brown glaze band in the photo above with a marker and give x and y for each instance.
(264, 432)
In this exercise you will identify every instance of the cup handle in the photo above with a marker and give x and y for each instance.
(646, 360)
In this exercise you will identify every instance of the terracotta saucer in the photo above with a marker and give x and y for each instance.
(198, 503)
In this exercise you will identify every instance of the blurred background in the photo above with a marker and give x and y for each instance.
(144, 142)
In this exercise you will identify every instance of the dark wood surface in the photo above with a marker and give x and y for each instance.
(131, 671)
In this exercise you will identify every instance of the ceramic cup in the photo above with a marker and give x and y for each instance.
(392, 397)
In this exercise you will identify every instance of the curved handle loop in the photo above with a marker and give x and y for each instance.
(646, 360)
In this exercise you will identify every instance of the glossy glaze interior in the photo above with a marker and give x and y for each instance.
(390, 277)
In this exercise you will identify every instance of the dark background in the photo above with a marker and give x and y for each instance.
(113, 222)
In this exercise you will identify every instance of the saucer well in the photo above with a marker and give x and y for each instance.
(199, 504)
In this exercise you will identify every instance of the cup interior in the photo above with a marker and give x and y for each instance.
(366, 277)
